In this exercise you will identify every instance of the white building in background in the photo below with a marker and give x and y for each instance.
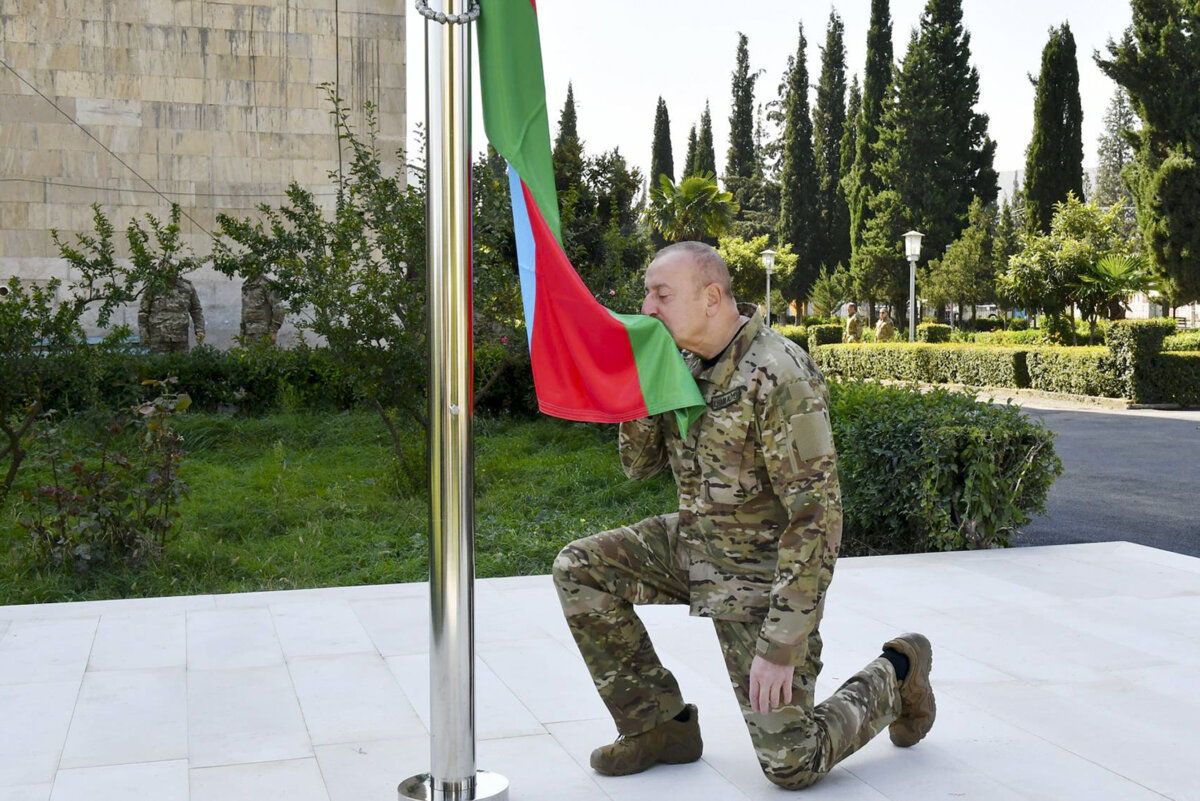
(1142, 307)
(216, 106)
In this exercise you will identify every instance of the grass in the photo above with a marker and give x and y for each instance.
(303, 500)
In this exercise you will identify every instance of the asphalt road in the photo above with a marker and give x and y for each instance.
(1129, 475)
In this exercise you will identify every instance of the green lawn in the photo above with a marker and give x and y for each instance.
(307, 500)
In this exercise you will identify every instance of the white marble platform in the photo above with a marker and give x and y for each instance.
(1067, 672)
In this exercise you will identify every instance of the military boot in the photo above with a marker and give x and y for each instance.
(673, 742)
(917, 709)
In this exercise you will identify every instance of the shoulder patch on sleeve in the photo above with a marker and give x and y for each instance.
(810, 434)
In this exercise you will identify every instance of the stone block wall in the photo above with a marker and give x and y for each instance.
(216, 106)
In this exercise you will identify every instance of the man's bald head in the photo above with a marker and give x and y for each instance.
(706, 265)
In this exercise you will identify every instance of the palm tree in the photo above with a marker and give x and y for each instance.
(1108, 282)
(693, 209)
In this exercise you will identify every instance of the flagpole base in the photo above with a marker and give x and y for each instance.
(488, 787)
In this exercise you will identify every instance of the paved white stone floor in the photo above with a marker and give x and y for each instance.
(1066, 672)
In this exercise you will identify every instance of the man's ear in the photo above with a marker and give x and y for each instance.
(712, 299)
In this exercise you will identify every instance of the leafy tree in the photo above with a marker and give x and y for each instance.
(706, 158)
(747, 278)
(1047, 274)
(861, 182)
(831, 245)
(355, 277)
(690, 159)
(1054, 159)
(934, 154)
(798, 178)
(1157, 62)
(661, 160)
(1109, 283)
(830, 290)
(41, 337)
(694, 209)
(966, 274)
(1115, 152)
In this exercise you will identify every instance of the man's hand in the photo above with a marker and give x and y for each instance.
(199, 338)
(770, 684)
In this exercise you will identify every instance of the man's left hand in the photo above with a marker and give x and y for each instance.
(770, 685)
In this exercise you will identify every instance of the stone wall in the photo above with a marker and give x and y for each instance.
(216, 106)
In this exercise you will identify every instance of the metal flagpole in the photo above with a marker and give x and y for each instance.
(453, 775)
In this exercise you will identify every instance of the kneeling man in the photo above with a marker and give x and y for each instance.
(752, 546)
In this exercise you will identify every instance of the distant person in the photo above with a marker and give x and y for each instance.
(884, 330)
(853, 332)
(262, 312)
(164, 313)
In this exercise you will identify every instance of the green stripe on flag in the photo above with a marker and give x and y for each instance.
(513, 87)
(667, 384)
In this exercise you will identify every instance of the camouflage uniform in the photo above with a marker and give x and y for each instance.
(752, 545)
(853, 332)
(262, 313)
(163, 316)
(884, 331)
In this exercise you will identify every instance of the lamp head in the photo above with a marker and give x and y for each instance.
(912, 245)
(768, 259)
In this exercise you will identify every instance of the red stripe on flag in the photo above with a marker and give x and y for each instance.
(578, 349)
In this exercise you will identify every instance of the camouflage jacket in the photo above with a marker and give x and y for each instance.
(853, 332)
(884, 331)
(760, 516)
(262, 313)
(163, 315)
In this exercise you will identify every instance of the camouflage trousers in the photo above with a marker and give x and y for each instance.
(168, 346)
(599, 580)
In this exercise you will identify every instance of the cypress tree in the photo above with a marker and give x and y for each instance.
(1114, 152)
(934, 153)
(831, 245)
(568, 150)
(740, 160)
(690, 159)
(1158, 63)
(661, 160)
(849, 143)
(798, 177)
(861, 182)
(1054, 160)
(706, 156)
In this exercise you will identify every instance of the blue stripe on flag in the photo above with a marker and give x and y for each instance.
(526, 250)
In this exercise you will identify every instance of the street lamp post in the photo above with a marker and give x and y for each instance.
(768, 262)
(912, 249)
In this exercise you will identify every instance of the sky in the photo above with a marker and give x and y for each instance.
(621, 55)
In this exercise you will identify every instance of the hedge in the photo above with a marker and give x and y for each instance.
(796, 333)
(1134, 344)
(974, 365)
(1079, 371)
(258, 379)
(828, 334)
(932, 332)
(935, 470)
(1188, 340)
(1174, 378)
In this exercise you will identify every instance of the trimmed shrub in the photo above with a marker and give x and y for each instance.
(1134, 344)
(1029, 336)
(973, 365)
(1175, 377)
(1017, 324)
(796, 333)
(936, 470)
(1079, 371)
(1188, 340)
(933, 332)
(828, 334)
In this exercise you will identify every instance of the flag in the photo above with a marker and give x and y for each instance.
(589, 363)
